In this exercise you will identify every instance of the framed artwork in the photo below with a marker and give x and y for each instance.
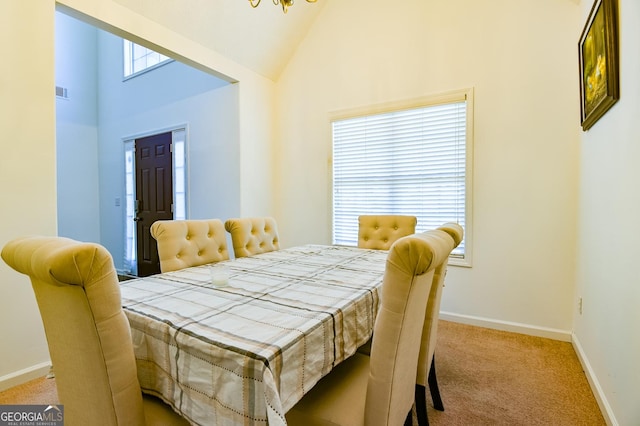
(598, 57)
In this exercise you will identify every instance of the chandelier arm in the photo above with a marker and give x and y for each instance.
(284, 3)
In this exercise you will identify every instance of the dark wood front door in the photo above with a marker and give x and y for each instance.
(154, 196)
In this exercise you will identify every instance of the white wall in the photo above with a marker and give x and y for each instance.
(89, 64)
(27, 172)
(172, 95)
(520, 57)
(76, 130)
(608, 279)
(255, 93)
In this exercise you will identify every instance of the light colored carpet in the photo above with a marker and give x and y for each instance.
(490, 377)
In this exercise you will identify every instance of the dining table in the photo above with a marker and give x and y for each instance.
(246, 351)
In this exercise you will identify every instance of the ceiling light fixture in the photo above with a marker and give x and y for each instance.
(285, 3)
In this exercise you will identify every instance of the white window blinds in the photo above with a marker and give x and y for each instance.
(410, 161)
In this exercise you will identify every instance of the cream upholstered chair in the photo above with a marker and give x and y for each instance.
(380, 231)
(379, 389)
(253, 235)
(426, 364)
(185, 243)
(88, 334)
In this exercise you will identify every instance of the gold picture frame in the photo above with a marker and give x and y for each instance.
(598, 62)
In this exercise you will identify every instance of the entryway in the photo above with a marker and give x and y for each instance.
(155, 190)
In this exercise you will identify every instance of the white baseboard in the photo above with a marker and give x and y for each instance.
(22, 376)
(530, 330)
(598, 393)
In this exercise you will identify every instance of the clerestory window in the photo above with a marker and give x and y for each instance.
(139, 59)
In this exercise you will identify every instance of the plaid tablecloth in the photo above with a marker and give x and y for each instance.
(246, 353)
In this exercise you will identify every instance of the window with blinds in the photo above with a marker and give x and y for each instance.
(410, 161)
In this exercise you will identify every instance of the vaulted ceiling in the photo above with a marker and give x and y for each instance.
(262, 39)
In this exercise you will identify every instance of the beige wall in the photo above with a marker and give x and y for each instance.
(608, 278)
(27, 171)
(520, 58)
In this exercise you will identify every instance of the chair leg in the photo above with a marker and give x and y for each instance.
(409, 420)
(433, 387)
(421, 405)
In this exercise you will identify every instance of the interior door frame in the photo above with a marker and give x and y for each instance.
(129, 190)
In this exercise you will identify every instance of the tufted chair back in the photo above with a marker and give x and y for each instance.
(253, 235)
(185, 243)
(78, 295)
(379, 232)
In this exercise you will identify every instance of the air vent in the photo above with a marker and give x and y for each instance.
(61, 92)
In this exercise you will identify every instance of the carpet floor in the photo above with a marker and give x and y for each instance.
(490, 377)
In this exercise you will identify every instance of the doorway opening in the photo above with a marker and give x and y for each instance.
(155, 189)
